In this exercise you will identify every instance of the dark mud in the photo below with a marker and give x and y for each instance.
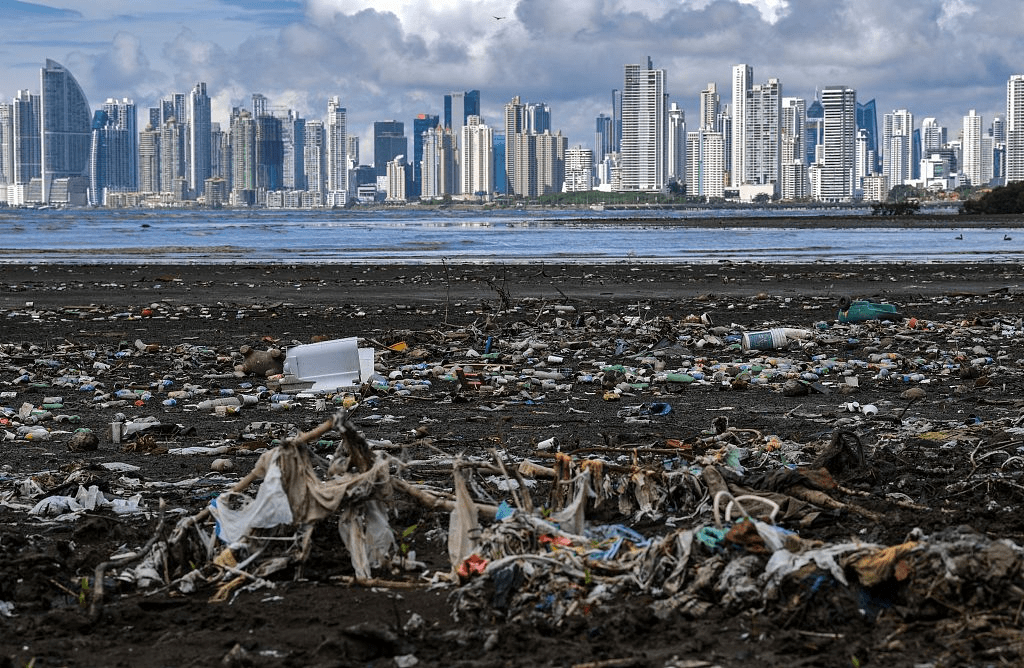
(315, 616)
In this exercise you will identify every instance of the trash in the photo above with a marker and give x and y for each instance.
(328, 365)
(859, 311)
(701, 489)
(263, 363)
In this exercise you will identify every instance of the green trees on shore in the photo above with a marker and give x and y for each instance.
(1008, 199)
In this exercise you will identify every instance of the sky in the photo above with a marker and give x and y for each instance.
(393, 59)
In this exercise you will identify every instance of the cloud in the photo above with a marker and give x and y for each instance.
(14, 10)
(397, 58)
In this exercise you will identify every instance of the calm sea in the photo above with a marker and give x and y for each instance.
(508, 236)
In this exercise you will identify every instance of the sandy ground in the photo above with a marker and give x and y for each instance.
(198, 316)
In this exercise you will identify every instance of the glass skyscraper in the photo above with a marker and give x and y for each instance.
(66, 126)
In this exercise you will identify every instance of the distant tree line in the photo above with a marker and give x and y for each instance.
(1001, 200)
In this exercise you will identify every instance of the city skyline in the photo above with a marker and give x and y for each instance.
(396, 60)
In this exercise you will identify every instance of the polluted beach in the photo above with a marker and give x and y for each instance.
(587, 465)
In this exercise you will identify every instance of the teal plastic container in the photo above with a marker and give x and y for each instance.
(859, 311)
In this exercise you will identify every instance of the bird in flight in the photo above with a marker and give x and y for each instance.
(498, 18)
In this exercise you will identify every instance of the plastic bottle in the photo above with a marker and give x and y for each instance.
(213, 403)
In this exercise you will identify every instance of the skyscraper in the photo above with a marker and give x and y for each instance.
(840, 138)
(27, 145)
(243, 156)
(477, 157)
(269, 153)
(293, 139)
(933, 136)
(173, 162)
(550, 158)
(603, 137)
(705, 163)
(793, 168)
(537, 118)
(514, 126)
(337, 147)
(971, 147)
(438, 163)
(814, 131)
(113, 158)
(710, 107)
(149, 160)
(199, 138)
(315, 156)
(676, 144)
(6, 144)
(761, 136)
(867, 120)
(644, 150)
(741, 81)
(66, 126)
(421, 124)
(1015, 128)
(579, 169)
(458, 107)
(897, 146)
(389, 142)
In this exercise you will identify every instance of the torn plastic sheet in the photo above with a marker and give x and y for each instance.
(85, 499)
(237, 513)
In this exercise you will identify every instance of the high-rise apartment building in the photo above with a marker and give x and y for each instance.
(897, 147)
(220, 156)
(66, 126)
(123, 115)
(438, 163)
(389, 142)
(477, 158)
(293, 140)
(705, 164)
(243, 156)
(579, 169)
(396, 176)
(420, 124)
(603, 137)
(933, 136)
(839, 130)
(113, 156)
(173, 161)
(742, 76)
(1015, 128)
(149, 159)
(761, 138)
(644, 148)
(676, 144)
(26, 140)
(616, 120)
(314, 163)
(6, 144)
(710, 108)
(337, 147)
(199, 138)
(514, 126)
(792, 164)
(971, 149)
(550, 154)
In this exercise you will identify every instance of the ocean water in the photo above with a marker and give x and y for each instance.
(507, 236)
